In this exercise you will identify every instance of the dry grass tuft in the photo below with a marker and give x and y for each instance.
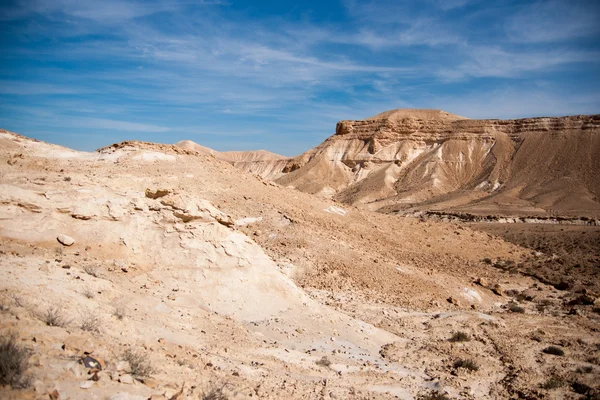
(91, 270)
(215, 393)
(433, 395)
(460, 337)
(53, 316)
(554, 382)
(14, 361)
(119, 312)
(466, 364)
(514, 307)
(91, 323)
(139, 363)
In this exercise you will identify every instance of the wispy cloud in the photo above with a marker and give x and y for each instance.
(554, 21)
(496, 62)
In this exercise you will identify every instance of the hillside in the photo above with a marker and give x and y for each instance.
(226, 283)
(412, 160)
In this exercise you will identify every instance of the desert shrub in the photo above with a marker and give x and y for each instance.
(324, 362)
(119, 312)
(433, 395)
(90, 322)
(554, 382)
(580, 388)
(460, 337)
(514, 307)
(467, 364)
(139, 363)
(90, 270)
(13, 362)
(53, 316)
(16, 299)
(488, 261)
(215, 393)
(554, 350)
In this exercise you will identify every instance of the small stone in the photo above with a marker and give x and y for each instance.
(155, 194)
(39, 387)
(151, 383)
(498, 290)
(80, 344)
(482, 282)
(65, 240)
(123, 366)
(76, 369)
(452, 300)
(126, 379)
(86, 384)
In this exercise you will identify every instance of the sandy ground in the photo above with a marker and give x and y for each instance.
(228, 283)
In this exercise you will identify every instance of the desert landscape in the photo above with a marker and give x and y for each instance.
(415, 254)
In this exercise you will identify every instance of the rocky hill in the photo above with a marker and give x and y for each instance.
(410, 160)
(264, 163)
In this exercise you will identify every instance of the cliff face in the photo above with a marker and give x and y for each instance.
(428, 159)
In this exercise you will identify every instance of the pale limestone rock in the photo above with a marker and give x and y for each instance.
(65, 240)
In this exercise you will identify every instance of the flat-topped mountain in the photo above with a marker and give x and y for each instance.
(406, 160)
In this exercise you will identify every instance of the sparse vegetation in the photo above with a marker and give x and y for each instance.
(216, 393)
(433, 395)
(580, 388)
(119, 312)
(16, 299)
(554, 382)
(90, 322)
(324, 362)
(89, 293)
(53, 316)
(460, 337)
(514, 307)
(91, 270)
(467, 364)
(13, 362)
(139, 363)
(554, 350)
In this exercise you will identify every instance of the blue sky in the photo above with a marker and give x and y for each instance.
(278, 75)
